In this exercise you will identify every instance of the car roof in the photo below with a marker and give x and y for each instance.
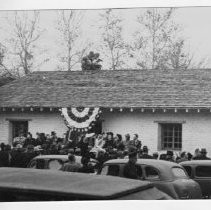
(162, 165)
(60, 157)
(52, 157)
(196, 162)
(85, 186)
(152, 162)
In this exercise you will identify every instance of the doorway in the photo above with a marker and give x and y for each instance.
(19, 127)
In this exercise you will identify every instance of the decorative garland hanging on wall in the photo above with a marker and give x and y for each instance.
(80, 118)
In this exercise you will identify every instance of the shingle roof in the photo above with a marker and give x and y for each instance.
(120, 88)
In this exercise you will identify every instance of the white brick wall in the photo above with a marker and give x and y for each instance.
(196, 131)
(39, 122)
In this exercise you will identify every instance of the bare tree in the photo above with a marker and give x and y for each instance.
(69, 23)
(114, 47)
(153, 39)
(23, 44)
(178, 58)
(158, 43)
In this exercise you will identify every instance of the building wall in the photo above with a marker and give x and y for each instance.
(196, 129)
(38, 122)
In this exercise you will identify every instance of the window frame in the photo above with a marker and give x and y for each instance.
(161, 135)
(179, 177)
(151, 179)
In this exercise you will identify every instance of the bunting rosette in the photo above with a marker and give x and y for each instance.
(80, 118)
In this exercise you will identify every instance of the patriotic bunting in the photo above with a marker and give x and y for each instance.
(80, 118)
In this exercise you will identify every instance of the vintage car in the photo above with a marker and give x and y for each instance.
(25, 184)
(53, 162)
(168, 177)
(200, 171)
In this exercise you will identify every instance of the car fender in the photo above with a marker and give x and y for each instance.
(167, 187)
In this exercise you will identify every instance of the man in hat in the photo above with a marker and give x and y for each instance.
(130, 169)
(202, 156)
(145, 154)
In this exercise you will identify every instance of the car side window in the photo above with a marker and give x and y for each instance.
(111, 170)
(188, 170)
(40, 164)
(151, 173)
(203, 171)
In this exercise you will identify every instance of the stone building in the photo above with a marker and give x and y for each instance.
(169, 109)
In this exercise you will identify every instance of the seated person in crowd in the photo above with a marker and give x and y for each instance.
(29, 140)
(109, 144)
(118, 143)
(145, 154)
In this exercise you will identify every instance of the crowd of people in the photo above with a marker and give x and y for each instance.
(101, 147)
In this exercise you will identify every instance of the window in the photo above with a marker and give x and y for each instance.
(188, 170)
(151, 173)
(111, 170)
(203, 171)
(171, 136)
(179, 172)
(19, 127)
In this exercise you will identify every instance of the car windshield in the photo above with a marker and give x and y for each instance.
(179, 172)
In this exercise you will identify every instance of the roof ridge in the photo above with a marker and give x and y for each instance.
(125, 70)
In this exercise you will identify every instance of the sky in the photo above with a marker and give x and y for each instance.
(195, 21)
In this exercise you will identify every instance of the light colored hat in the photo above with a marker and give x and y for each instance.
(88, 135)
